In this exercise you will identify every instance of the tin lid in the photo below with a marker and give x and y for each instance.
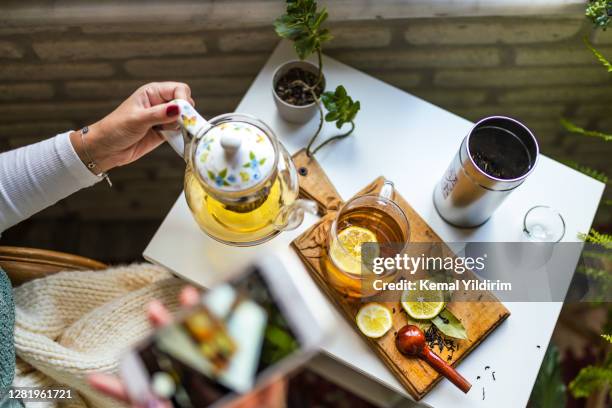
(234, 156)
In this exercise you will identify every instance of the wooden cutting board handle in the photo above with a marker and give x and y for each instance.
(314, 183)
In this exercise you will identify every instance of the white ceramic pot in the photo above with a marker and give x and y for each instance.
(289, 112)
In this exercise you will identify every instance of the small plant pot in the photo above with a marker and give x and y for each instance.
(289, 112)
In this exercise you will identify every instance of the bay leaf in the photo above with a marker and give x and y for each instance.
(449, 325)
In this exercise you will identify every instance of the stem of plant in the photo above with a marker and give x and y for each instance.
(321, 118)
(331, 139)
(320, 58)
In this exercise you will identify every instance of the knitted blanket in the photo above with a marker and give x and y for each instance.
(74, 323)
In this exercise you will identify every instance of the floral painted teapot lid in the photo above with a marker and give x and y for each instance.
(234, 156)
(231, 153)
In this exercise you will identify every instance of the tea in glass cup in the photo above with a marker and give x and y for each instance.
(375, 220)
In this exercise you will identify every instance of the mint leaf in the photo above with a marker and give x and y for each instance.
(449, 325)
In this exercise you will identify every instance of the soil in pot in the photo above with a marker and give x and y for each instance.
(499, 153)
(289, 87)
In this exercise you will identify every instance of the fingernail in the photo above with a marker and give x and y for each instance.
(172, 110)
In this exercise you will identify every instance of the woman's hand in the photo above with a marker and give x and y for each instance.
(272, 396)
(126, 134)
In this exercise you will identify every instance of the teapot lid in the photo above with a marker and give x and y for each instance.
(234, 156)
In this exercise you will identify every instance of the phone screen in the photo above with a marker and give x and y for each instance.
(221, 346)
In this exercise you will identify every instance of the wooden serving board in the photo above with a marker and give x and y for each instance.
(479, 318)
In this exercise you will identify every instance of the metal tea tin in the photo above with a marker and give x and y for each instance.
(467, 195)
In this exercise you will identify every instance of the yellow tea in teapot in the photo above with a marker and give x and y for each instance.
(240, 183)
(239, 223)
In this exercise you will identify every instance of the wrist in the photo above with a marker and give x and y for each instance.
(89, 149)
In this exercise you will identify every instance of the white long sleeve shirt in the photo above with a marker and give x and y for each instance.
(39, 175)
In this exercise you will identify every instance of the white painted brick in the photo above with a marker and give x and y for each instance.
(216, 105)
(557, 94)
(10, 50)
(401, 79)
(23, 71)
(489, 31)
(262, 40)
(77, 111)
(602, 37)
(594, 110)
(445, 98)
(605, 125)
(32, 129)
(195, 67)
(120, 48)
(26, 91)
(89, 89)
(561, 54)
(138, 28)
(421, 58)
(516, 111)
(517, 77)
(359, 37)
(22, 29)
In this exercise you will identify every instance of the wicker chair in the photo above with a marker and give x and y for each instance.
(25, 264)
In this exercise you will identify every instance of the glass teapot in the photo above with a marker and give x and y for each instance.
(240, 183)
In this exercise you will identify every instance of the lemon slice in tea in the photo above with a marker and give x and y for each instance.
(374, 320)
(423, 304)
(346, 250)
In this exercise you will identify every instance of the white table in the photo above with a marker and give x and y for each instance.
(411, 142)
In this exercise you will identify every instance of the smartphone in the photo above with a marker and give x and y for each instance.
(255, 327)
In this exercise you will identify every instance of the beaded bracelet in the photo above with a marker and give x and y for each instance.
(91, 164)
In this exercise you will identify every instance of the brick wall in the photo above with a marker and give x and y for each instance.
(536, 69)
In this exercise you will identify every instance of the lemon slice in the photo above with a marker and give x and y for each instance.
(374, 320)
(422, 304)
(346, 250)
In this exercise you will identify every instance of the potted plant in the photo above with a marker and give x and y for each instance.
(298, 86)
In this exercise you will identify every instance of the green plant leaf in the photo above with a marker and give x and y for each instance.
(223, 173)
(340, 106)
(598, 55)
(305, 46)
(608, 337)
(251, 155)
(549, 390)
(571, 127)
(589, 379)
(449, 325)
(302, 24)
(288, 27)
(598, 11)
(262, 161)
(211, 175)
(595, 237)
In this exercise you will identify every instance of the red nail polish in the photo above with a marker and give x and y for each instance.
(172, 110)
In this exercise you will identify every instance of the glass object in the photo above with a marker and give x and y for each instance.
(543, 224)
(240, 183)
(375, 219)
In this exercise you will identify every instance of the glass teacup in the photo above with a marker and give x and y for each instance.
(365, 228)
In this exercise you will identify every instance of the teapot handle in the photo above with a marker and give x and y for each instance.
(192, 124)
(291, 217)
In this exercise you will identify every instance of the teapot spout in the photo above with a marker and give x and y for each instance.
(292, 216)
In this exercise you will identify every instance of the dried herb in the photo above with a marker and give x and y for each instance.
(435, 338)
